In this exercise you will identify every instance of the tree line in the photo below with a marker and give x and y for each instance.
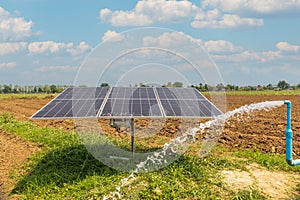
(16, 89)
(281, 85)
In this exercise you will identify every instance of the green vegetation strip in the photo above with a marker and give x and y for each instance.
(63, 169)
(26, 96)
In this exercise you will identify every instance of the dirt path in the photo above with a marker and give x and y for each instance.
(13, 152)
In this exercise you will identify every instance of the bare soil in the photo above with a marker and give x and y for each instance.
(274, 184)
(13, 151)
(262, 130)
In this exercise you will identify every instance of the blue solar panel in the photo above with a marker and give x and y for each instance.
(131, 102)
(74, 103)
(128, 102)
(131, 93)
(185, 102)
(179, 93)
(131, 108)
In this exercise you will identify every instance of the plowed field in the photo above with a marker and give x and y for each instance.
(261, 130)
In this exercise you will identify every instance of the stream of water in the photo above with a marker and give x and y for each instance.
(212, 128)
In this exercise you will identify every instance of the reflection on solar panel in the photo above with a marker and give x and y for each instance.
(125, 102)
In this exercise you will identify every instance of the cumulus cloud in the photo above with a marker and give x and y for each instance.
(255, 6)
(221, 46)
(14, 28)
(112, 36)
(249, 56)
(149, 12)
(79, 50)
(169, 39)
(55, 47)
(47, 47)
(285, 46)
(216, 19)
(63, 68)
(10, 48)
(162, 11)
(8, 65)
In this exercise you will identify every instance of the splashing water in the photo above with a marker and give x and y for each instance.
(214, 128)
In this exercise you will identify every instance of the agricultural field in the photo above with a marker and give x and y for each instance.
(46, 160)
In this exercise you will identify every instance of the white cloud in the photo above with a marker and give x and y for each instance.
(149, 12)
(255, 6)
(216, 19)
(10, 48)
(249, 56)
(8, 65)
(163, 11)
(169, 39)
(47, 47)
(285, 46)
(216, 46)
(55, 47)
(112, 36)
(63, 68)
(14, 28)
(79, 50)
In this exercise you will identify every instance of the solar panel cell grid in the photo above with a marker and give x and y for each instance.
(179, 93)
(131, 107)
(128, 102)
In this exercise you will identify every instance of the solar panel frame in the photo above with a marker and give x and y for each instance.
(124, 98)
(174, 103)
(87, 102)
(187, 102)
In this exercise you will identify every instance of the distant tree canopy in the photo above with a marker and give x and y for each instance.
(5, 89)
(283, 85)
(203, 87)
(104, 85)
(175, 84)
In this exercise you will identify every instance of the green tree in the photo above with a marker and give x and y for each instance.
(269, 86)
(220, 87)
(104, 85)
(177, 84)
(206, 87)
(283, 85)
(53, 88)
(200, 86)
(230, 87)
(7, 89)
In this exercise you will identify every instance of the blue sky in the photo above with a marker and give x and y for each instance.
(251, 42)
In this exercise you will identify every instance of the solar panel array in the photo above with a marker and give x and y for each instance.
(124, 102)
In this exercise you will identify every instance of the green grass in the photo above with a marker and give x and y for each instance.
(63, 169)
(26, 96)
